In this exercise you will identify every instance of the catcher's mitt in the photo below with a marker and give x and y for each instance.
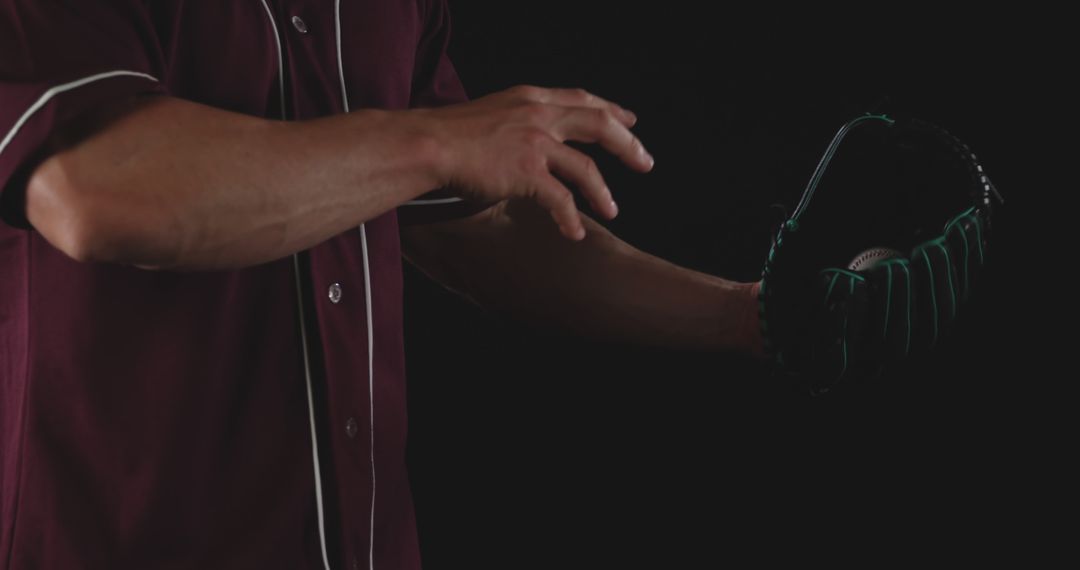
(880, 254)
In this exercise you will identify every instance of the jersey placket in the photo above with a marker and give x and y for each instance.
(337, 330)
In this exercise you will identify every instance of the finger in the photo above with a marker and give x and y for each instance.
(557, 199)
(582, 98)
(598, 126)
(581, 171)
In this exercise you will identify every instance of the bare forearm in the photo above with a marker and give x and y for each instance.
(174, 184)
(166, 183)
(601, 287)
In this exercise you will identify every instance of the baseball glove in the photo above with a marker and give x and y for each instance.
(877, 260)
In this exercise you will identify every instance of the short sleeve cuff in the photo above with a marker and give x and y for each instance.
(29, 117)
(438, 206)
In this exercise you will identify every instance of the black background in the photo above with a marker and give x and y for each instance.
(527, 450)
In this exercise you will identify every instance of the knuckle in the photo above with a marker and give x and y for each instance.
(604, 119)
(536, 112)
(566, 200)
(536, 139)
(532, 163)
(581, 95)
(529, 92)
(590, 168)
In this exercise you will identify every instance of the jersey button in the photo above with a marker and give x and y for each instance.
(351, 427)
(299, 25)
(334, 293)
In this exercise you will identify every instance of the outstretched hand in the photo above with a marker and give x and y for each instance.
(511, 144)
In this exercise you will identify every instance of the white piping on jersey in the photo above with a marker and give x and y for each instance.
(367, 305)
(345, 98)
(340, 63)
(303, 326)
(371, 395)
(53, 92)
(311, 414)
(280, 59)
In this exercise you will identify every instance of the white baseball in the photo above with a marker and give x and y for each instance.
(872, 257)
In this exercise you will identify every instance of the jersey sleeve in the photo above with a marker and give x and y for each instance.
(436, 84)
(59, 60)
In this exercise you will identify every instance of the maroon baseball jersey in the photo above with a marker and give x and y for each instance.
(252, 418)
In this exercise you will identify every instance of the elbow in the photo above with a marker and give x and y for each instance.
(87, 223)
(86, 240)
(59, 210)
(77, 243)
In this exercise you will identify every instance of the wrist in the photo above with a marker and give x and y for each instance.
(428, 145)
(396, 147)
(753, 342)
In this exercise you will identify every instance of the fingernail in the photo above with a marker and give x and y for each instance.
(614, 209)
(580, 234)
(633, 117)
